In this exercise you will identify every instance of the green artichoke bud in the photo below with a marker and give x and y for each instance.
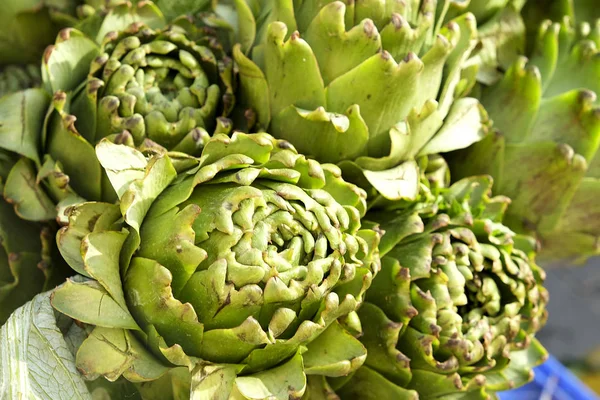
(548, 131)
(453, 311)
(18, 77)
(370, 86)
(236, 265)
(28, 264)
(144, 85)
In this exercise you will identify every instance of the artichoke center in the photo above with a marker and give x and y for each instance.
(156, 86)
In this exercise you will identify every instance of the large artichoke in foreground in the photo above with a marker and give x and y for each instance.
(236, 265)
(370, 85)
(147, 84)
(453, 312)
(543, 155)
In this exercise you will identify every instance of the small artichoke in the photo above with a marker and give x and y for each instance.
(145, 85)
(370, 85)
(543, 154)
(236, 265)
(453, 311)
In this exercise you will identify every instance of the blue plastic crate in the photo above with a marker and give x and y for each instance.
(553, 381)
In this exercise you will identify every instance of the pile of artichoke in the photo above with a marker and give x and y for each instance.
(289, 199)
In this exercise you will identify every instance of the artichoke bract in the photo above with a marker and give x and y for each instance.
(370, 86)
(455, 307)
(146, 85)
(543, 154)
(245, 265)
(28, 263)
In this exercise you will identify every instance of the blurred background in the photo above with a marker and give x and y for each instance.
(572, 336)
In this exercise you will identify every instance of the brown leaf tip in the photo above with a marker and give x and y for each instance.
(48, 53)
(397, 21)
(65, 34)
(369, 28)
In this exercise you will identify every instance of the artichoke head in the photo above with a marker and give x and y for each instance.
(245, 266)
(128, 78)
(543, 154)
(455, 307)
(370, 85)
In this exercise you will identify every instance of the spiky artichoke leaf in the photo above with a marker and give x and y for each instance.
(465, 124)
(414, 65)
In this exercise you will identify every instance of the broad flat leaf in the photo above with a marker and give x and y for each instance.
(35, 361)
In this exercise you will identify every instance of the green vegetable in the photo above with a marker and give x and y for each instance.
(370, 86)
(146, 85)
(244, 266)
(543, 155)
(453, 312)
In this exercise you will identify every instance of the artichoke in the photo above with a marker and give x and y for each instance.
(543, 154)
(245, 266)
(18, 77)
(370, 86)
(453, 312)
(145, 84)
